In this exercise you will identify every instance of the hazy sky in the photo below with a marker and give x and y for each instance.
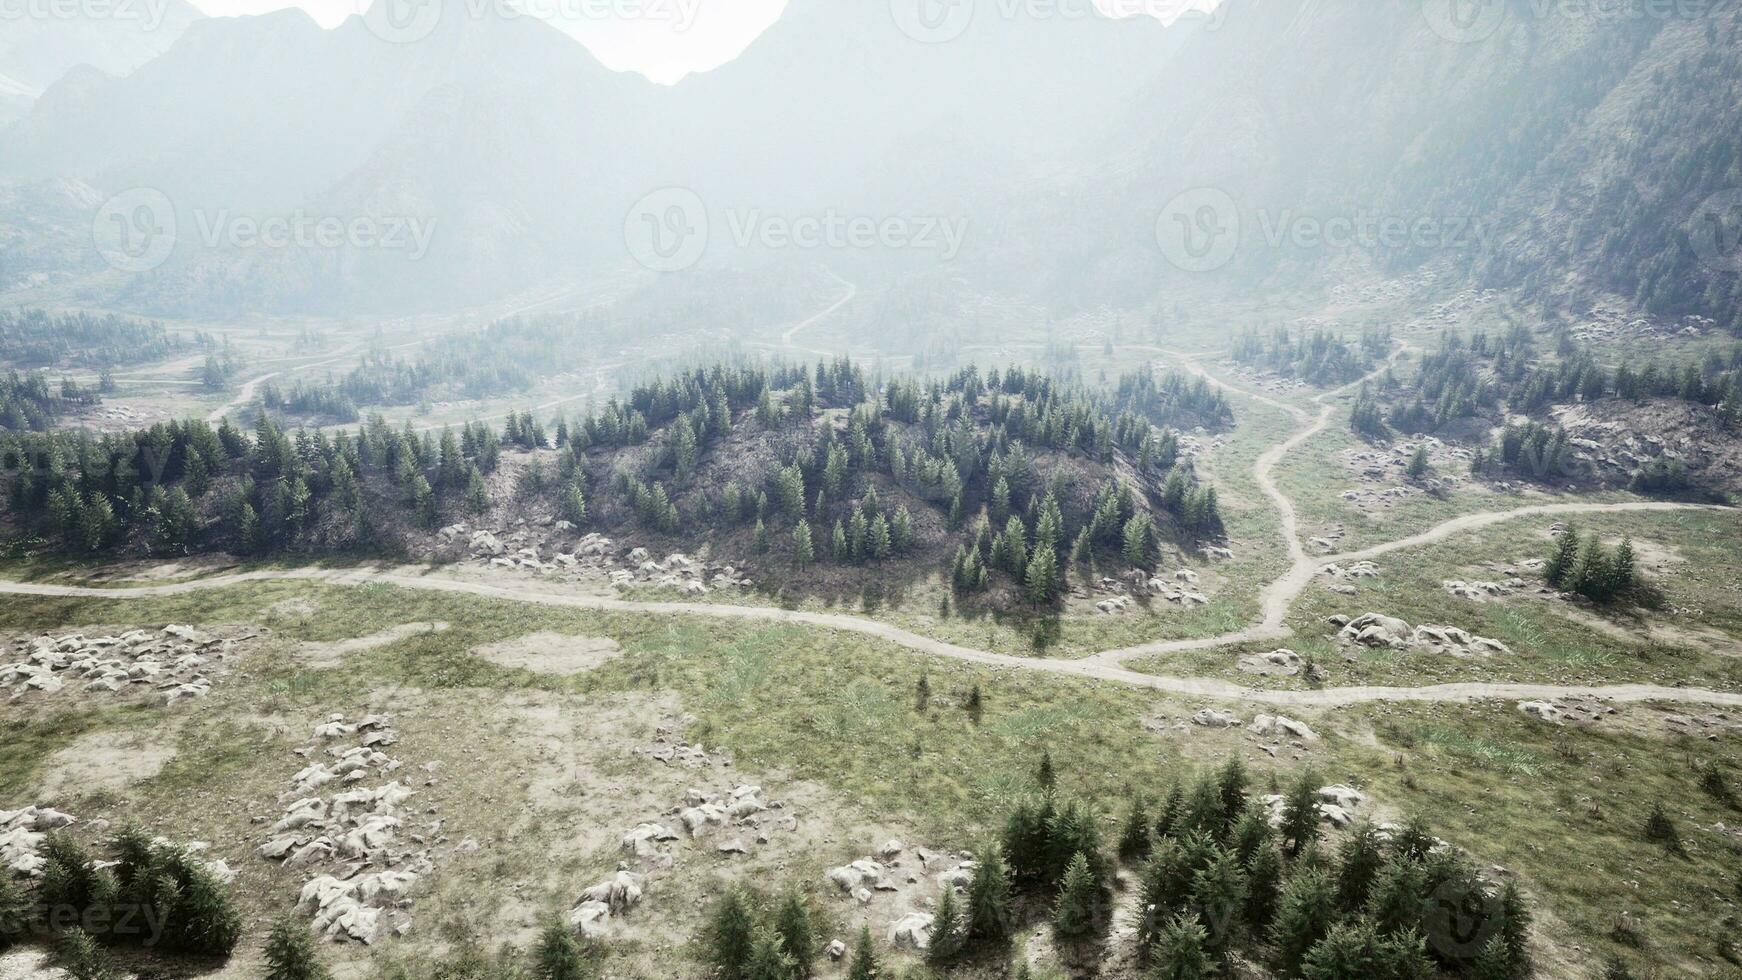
(663, 39)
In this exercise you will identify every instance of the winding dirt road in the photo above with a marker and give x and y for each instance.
(1277, 599)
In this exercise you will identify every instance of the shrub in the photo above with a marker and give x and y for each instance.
(83, 959)
(1077, 912)
(1660, 827)
(728, 936)
(14, 911)
(290, 954)
(559, 955)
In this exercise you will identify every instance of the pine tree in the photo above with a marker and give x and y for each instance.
(559, 955)
(1041, 583)
(82, 959)
(1180, 951)
(759, 538)
(1362, 857)
(1167, 818)
(1044, 775)
(1515, 929)
(1219, 900)
(1300, 813)
(1624, 569)
(949, 933)
(1492, 962)
(1418, 463)
(1395, 902)
(922, 694)
(1134, 839)
(1025, 841)
(1304, 916)
(990, 908)
(290, 954)
(793, 922)
(728, 937)
(1263, 886)
(802, 552)
(1076, 913)
(1137, 539)
(768, 958)
(1347, 950)
(1560, 562)
(864, 965)
(14, 912)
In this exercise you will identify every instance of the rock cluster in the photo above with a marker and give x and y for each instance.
(1481, 591)
(1278, 663)
(174, 664)
(592, 554)
(883, 872)
(1388, 632)
(355, 830)
(1336, 805)
(21, 836)
(670, 746)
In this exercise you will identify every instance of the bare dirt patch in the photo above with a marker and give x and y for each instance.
(551, 653)
(324, 655)
(105, 762)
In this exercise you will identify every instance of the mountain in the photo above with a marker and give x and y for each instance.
(15, 99)
(35, 51)
(1509, 154)
(1562, 156)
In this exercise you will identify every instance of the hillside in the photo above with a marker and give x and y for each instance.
(772, 470)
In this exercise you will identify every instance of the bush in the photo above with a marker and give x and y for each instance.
(83, 959)
(14, 912)
(290, 953)
(198, 917)
(559, 955)
(1077, 912)
(1660, 827)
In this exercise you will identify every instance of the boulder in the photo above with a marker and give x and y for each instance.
(1211, 718)
(1282, 663)
(618, 893)
(591, 919)
(1286, 727)
(912, 931)
(1545, 710)
(858, 874)
(1375, 630)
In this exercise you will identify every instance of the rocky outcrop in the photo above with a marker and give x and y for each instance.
(1387, 632)
(172, 665)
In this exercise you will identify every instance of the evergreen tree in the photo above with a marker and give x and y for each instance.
(1347, 950)
(82, 959)
(990, 907)
(14, 912)
(768, 959)
(1362, 857)
(1418, 463)
(1181, 952)
(1304, 916)
(1134, 839)
(1172, 810)
(1300, 813)
(798, 936)
(1042, 582)
(802, 552)
(1044, 776)
(290, 954)
(1077, 911)
(1138, 540)
(1514, 933)
(863, 965)
(728, 937)
(1395, 902)
(1219, 900)
(1560, 562)
(949, 932)
(1263, 886)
